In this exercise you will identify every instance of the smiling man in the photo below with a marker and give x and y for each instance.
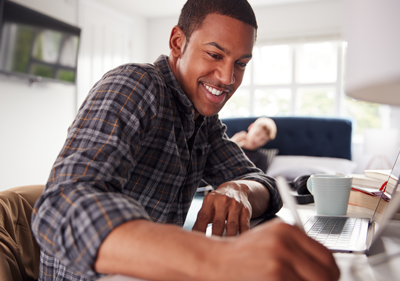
(122, 185)
(211, 67)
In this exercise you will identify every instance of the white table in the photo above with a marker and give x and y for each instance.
(390, 243)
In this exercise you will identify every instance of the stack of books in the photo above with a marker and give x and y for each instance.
(367, 189)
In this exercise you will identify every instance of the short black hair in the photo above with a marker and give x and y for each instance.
(194, 12)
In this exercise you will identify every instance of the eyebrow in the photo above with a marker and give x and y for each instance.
(216, 45)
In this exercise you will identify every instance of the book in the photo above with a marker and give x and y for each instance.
(362, 180)
(383, 176)
(368, 198)
(377, 174)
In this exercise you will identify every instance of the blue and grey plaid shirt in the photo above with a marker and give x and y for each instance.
(127, 157)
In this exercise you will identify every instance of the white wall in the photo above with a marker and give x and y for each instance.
(363, 159)
(300, 20)
(158, 38)
(34, 120)
(394, 123)
(106, 44)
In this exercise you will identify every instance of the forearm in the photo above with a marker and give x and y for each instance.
(165, 252)
(156, 252)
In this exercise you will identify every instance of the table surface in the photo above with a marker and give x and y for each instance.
(353, 267)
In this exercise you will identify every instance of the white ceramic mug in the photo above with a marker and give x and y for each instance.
(331, 193)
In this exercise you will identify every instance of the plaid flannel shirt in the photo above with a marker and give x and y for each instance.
(126, 157)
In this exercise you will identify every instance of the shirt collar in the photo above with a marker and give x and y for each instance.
(186, 105)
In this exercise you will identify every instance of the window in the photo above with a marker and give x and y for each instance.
(302, 79)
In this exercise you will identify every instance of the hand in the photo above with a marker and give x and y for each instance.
(230, 203)
(272, 251)
(239, 138)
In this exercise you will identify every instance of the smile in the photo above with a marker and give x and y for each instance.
(214, 91)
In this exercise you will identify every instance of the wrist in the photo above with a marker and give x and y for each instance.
(256, 193)
(241, 186)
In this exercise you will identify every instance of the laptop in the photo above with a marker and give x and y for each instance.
(343, 233)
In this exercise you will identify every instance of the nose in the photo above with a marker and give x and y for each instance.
(226, 73)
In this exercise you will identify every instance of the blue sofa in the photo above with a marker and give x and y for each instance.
(308, 136)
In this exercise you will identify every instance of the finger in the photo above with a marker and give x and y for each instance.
(216, 208)
(219, 222)
(200, 225)
(318, 252)
(308, 267)
(204, 217)
(245, 217)
(302, 252)
(232, 224)
(312, 260)
(244, 224)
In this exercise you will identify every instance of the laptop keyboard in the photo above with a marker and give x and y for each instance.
(334, 231)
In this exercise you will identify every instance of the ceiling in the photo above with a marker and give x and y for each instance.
(164, 8)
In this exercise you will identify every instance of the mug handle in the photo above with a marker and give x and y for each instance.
(309, 185)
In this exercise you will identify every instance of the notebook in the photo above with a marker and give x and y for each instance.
(343, 233)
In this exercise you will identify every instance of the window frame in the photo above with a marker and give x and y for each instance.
(338, 86)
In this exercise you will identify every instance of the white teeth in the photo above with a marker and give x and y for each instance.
(213, 91)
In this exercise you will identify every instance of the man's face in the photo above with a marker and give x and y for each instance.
(213, 64)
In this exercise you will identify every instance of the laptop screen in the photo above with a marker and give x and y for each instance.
(386, 197)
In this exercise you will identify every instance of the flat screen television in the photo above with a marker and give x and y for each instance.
(37, 46)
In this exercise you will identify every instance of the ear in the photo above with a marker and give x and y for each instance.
(177, 41)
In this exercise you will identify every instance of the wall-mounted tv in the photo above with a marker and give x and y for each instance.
(37, 46)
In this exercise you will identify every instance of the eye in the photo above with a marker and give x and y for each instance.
(241, 64)
(214, 56)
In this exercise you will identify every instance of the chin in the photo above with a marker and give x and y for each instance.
(208, 113)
